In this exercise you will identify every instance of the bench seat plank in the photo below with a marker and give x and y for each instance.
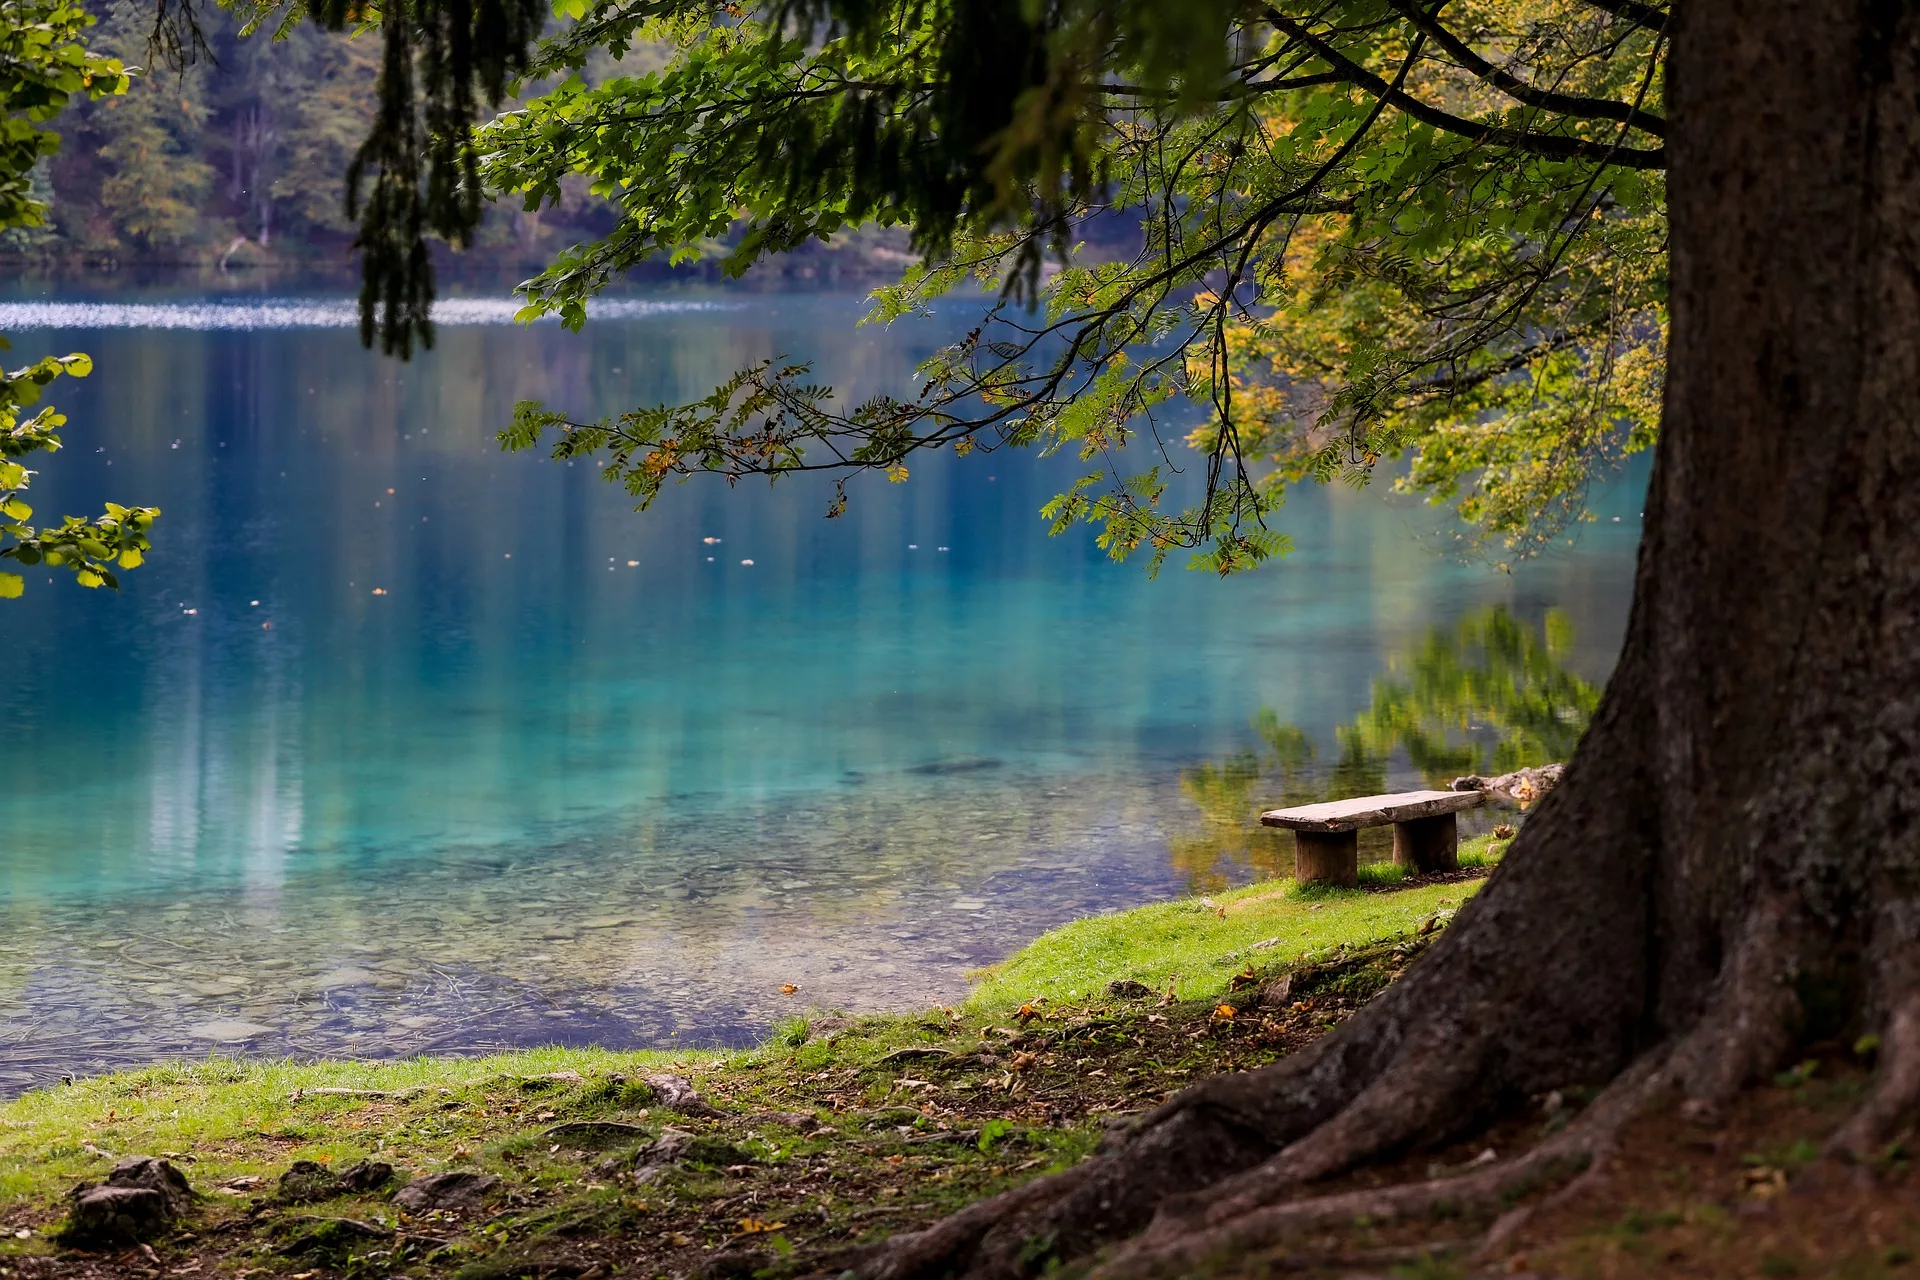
(1371, 811)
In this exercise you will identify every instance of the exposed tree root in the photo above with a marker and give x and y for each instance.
(929, 1252)
(1572, 1150)
(1895, 1100)
(1753, 1016)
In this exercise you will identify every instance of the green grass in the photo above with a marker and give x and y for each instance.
(218, 1110)
(1192, 944)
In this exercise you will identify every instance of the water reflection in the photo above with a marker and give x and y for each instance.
(1489, 694)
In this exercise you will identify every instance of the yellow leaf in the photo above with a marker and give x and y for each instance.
(11, 585)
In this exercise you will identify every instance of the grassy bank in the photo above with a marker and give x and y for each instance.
(841, 1130)
(834, 1130)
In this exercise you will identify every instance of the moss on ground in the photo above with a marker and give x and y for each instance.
(834, 1131)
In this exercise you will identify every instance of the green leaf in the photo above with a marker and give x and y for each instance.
(11, 585)
(991, 1132)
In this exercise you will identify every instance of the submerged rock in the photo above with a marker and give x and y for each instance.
(228, 1030)
(140, 1200)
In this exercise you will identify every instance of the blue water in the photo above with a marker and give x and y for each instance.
(398, 743)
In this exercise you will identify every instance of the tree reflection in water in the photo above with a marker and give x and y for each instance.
(1489, 695)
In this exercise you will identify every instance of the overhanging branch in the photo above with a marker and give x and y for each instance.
(1551, 145)
(1565, 104)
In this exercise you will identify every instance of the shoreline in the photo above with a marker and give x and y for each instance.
(948, 1096)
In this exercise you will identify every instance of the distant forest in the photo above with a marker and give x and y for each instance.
(241, 162)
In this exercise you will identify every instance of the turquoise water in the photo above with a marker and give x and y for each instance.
(398, 743)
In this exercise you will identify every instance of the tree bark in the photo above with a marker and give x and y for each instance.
(1731, 867)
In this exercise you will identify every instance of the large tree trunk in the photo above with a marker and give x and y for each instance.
(1732, 866)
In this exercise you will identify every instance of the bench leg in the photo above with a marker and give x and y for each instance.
(1326, 857)
(1427, 844)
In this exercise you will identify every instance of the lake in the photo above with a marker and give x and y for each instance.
(399, 744)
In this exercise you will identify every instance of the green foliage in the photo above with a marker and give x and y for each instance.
(89, 549)
(415, 172)
(154, 184)
(46, 64)
(991, 1132)
(1363, 234)
(250, 144)
(43, 65)
(251, 147)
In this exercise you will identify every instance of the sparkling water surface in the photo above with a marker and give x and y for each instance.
(399, 744)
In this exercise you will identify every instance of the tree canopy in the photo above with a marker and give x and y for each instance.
(1358, 231)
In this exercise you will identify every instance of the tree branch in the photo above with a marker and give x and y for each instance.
(1652, 17)
(1555, 146)
(1566, 104)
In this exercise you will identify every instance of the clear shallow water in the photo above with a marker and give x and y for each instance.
(576, 774)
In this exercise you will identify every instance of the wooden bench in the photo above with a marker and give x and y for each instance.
(1326, 843)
